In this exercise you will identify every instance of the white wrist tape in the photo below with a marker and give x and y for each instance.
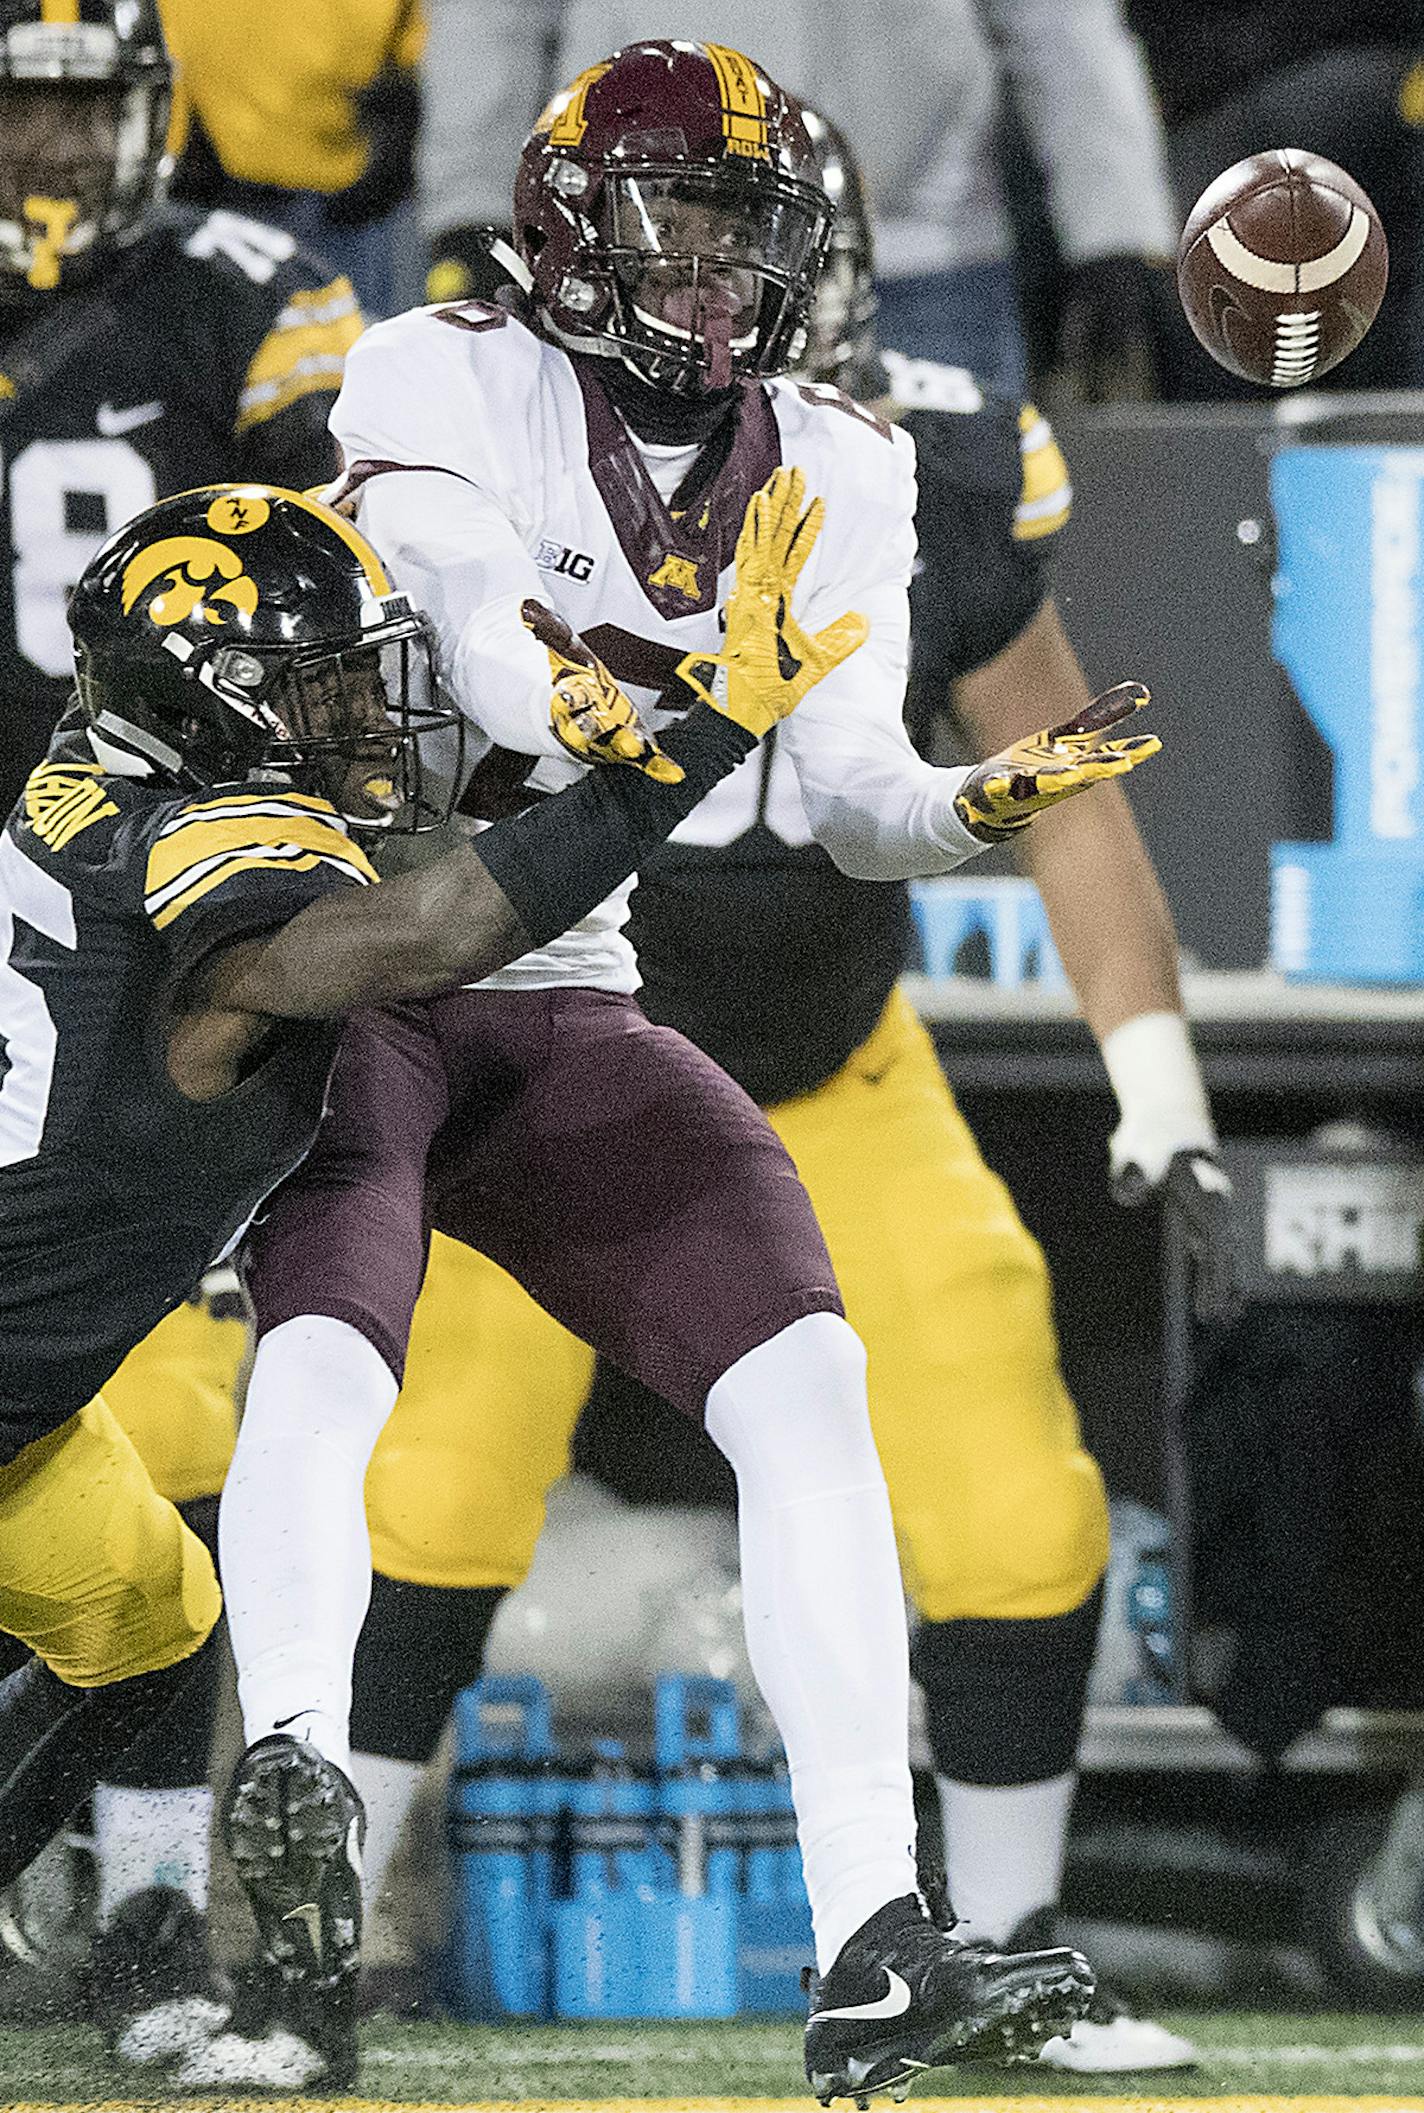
(1161, 1100)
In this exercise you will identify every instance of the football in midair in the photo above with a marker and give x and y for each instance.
(1282, 267)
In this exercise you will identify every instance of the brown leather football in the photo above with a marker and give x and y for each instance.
(1282, 267)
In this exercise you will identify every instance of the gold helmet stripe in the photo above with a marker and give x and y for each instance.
(743, 102)
(563, 116)
(59, 10)
(377, 576)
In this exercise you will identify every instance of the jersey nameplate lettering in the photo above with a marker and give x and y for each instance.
(63, 798)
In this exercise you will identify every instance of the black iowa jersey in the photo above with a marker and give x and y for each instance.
(758, 948)
(115, 1191)
(209, 349)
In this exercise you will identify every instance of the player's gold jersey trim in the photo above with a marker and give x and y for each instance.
(303, 352)
(204, 846)
(1046, 495)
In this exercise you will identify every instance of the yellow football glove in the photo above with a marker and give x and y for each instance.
(767, 662)
(1003, 794)
(587, 710)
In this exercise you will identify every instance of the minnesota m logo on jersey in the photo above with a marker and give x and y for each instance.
(680, 574)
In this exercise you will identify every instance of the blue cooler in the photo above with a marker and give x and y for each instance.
(608, 1870)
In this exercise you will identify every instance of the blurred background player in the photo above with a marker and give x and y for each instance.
(750, 941)
(987, 125)
(145, 348)
(307, 117)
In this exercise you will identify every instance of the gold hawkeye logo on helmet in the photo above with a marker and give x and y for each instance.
(187, 565)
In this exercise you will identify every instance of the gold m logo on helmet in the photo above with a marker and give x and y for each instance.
(563, 116)
(743, 103)
(187, 565)
(680, 574)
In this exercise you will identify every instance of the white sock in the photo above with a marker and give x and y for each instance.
(1003, 1851)
(295, 1553)
(388, 1790)
(148, 1838)
(824, 1611)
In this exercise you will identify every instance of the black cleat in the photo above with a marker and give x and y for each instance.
(294, 1827)
(149, 1983)
(902, 1996)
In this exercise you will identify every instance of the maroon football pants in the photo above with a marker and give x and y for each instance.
(635, 1192)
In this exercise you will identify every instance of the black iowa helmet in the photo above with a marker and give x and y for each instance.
(85, 101)
(240, 631)
(840, 337)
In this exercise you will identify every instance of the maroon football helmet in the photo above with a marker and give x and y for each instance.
(669, 209)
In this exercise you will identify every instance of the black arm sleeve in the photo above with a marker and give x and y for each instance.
(559, 859)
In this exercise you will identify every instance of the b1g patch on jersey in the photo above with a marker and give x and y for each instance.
(210, 844)
(60, 799)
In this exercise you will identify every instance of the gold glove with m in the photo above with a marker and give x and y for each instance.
(767, 662)
(766, 665)
(1003, 794)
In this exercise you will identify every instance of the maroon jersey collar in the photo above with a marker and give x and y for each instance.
(678, 561)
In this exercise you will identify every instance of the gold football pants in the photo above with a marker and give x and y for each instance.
(98, 1573)
(175, 1395)
(999, 1510)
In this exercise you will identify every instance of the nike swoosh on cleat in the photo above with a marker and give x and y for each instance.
(309, 1915)
(894, 2002)
(112, 422)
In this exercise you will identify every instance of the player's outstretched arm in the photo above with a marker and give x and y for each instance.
(517, 886)
(1001, 795)
(1123, 967)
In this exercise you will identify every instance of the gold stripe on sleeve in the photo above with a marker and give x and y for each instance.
(304, 352)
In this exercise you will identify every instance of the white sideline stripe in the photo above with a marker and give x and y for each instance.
(1269, 277)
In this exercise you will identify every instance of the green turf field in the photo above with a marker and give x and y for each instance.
(1247, 2057)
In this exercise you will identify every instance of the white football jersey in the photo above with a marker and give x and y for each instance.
(496, 469)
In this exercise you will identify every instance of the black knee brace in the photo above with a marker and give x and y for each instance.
(420, 1646)
(1004, 1699)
